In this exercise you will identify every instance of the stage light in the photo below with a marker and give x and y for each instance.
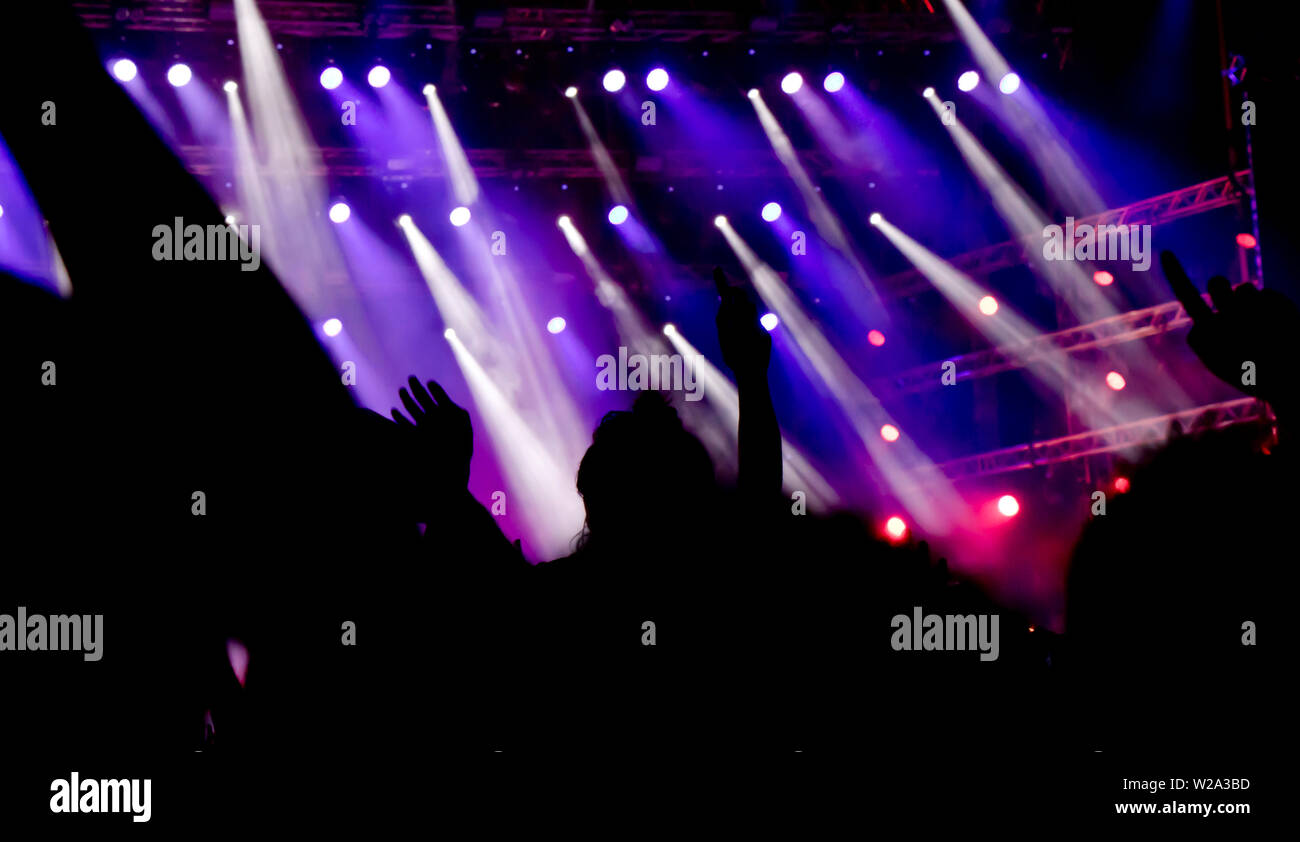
(719, 220)
(570, 92)
(429, 89)
(617, 215)
(555, 325)
(928, 93)
(459, 216)
(889, 432)
(896, 527)
(1008, 506)
(1115, 380)
(2, 210)
(771, 212)
(179, 75)
(331, 78)
(614, 81)
(876, 338)
(792, 83)
(670, 330)
(1010, 84)
(875, 219)
(657, 79)
(124, 69)
(988, 305)
(230, 219)
(449, 334)
(1246, 241)
(968, 80)
(1121, 484)
(378, 76)
(332, 327)
(563, 221)
(1103, 278)
(230, 87)
(339, 212)
(404, 219)
(769, 321)
(833, 82)
(752, 93)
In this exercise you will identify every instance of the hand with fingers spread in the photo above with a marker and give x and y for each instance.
(746, 346)
(443, 430)
(1249, 339)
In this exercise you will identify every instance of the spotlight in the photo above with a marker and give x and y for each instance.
(459, 216)
(1121, 484)
(1115, 380)
(657, 79)
(752, 93)
(378, 76)
(791, 83)
(230, 87)
(889, 432)
(614, 81)
(988, 305)
(1246, 241)
(670, 330)
(429, 90)
(928, 93)
(719, 220)
(833, 82)
(896, 527)
(124, 69)
(563, 221)
(968, 80)
(570, 92)
(332, 327)
(771, 212)
(1009, 84)
(339, 212)
(875, 219)
(1008, 506)
(617, 215)
(555, 325)
(230, 219)
(331, 78)
(2, 211)
(404, 219)
(449, 333)
(179, 75)
(769, 321)
(876, 338)
(1103, 278)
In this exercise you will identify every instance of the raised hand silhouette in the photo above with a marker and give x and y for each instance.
(746, 346)
(443, 432)
(1249, 339)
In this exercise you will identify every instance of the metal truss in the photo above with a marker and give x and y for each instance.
(1198, 198)
(339, 161)
(1148, 431)
(524, 24)
(1125, 327)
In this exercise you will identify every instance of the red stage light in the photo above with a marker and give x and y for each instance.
(876, 338)
(896, 527)
(1103, 278)
(1121, 484)
(1115, 380)
(1008, 506)
(1246, 241)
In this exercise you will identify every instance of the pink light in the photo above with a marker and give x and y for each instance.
(1121, 484)
(1008, 506)
(1115, 380)
(237, 653)
(988, 305)
(895, 527)
(889, 432)
(876, 338)
(1103, 278)
(1246, 241)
